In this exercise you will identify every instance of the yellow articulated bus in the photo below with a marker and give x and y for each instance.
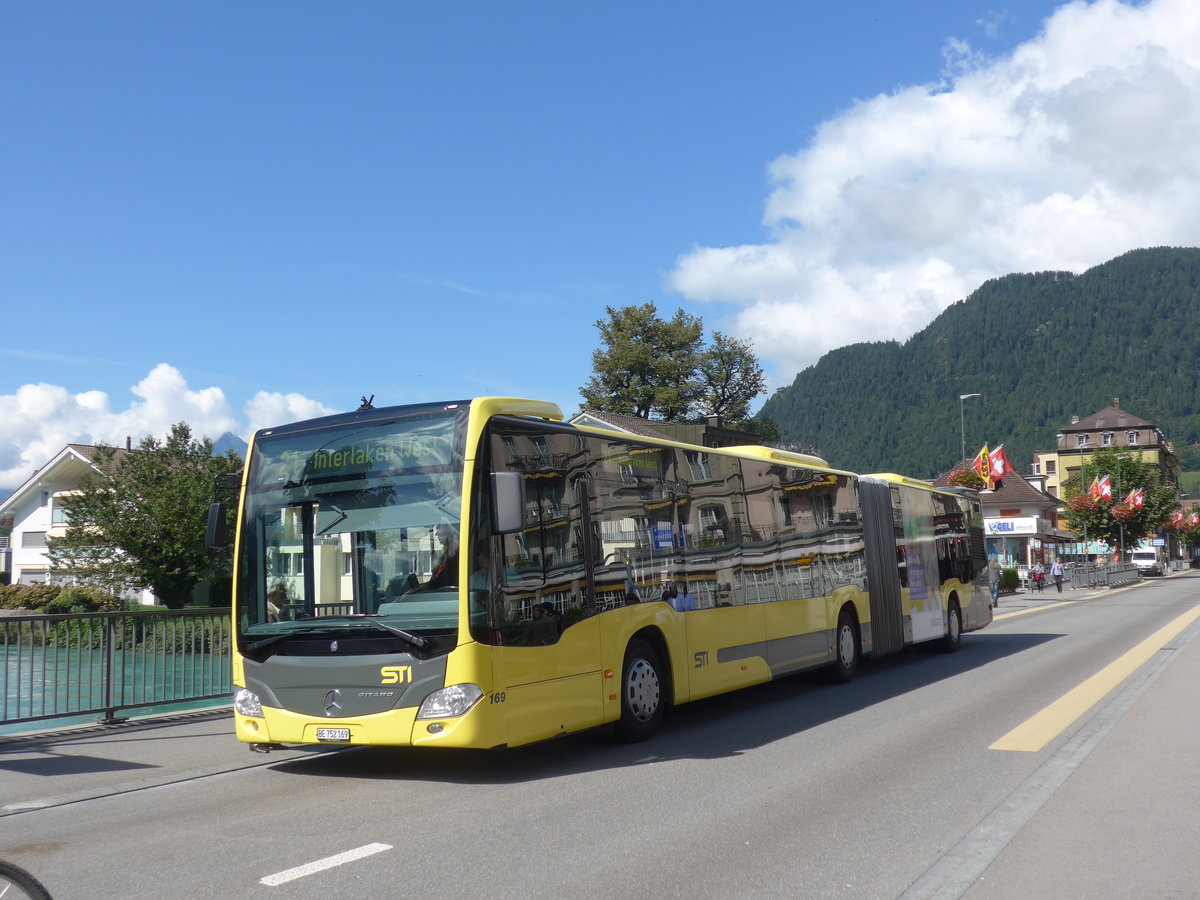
(481, 574)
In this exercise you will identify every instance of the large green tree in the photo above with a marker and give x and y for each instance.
(647, 364)
(1113, 520)
(139, 521)
(730, 378)
(652, 367)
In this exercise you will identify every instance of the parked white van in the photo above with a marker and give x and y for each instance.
(1149, 560)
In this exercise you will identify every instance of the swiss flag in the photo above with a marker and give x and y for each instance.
(1139, 498)
(1106, 488)
(999, 463)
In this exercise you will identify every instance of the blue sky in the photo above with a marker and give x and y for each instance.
(243, 214)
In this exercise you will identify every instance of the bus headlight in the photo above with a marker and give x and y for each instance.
(247, 703)
(449, 702)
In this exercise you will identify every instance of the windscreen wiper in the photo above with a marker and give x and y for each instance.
(349, 621)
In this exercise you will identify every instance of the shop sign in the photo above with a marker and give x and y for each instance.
(1011, 527)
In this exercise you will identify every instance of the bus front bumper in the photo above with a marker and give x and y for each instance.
(396, 727)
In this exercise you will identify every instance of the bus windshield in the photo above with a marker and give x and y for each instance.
(352, 520)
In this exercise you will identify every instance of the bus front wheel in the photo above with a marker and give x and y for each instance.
(641, 693)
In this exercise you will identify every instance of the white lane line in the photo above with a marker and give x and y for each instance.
(321, 865)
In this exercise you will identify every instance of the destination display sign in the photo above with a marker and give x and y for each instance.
(352, 452)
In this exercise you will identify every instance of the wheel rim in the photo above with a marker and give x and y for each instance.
(955, 625)
(846, 648)
(642, 690)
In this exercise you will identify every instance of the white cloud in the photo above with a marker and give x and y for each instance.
(267, 409)
(40, 419)
(1075, 148)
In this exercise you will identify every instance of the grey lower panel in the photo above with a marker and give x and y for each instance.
(344, 685)
(784, 655)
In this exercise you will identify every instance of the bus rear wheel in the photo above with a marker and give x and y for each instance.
(953, 637)
(641, 693)
(848, 648)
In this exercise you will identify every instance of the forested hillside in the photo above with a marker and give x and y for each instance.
(1040, 348)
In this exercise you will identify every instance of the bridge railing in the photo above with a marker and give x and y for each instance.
(59, 665)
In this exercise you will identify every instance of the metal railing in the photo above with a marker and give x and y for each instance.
(1112, 575)
(52, 666)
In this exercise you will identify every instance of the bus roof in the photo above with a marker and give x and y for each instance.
(904, 479)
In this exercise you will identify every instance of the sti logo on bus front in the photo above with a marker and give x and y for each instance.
(395, 675)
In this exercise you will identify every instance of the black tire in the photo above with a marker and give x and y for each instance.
(642, 689)
(849, 649)
(952, 640)
(17, 884)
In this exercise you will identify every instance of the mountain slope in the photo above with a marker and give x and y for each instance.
(1039, 347)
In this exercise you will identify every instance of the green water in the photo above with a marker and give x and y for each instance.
(68, 684)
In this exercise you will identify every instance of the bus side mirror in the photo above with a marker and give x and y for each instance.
(508, 502)
(214, 535)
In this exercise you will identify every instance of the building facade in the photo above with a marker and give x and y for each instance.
(1110, 428)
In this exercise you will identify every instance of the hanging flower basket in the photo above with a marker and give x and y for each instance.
(1083, 505)
(966, 477)
(1123, 513)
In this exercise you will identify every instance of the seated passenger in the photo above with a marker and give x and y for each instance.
(542, 628)
(685, 601)
(445, 572)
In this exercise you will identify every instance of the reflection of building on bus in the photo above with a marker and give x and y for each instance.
(792, 565)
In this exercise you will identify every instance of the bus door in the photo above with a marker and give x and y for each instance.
(547, 667)
(921, 564)
(731, 570)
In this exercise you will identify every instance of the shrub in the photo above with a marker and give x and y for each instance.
(27, 596)
(79, 599)
(1008, 580)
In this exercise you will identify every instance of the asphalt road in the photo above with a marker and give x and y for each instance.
(885, 787)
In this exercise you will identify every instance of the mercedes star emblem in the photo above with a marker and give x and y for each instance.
(333, 702)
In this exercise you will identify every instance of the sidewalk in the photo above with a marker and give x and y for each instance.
(1026, 598)
(1124, 823)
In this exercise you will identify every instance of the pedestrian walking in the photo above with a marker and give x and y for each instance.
(994, 581)
(1056, 572)
(1038, 576)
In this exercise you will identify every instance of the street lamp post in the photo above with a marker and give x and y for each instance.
(1120, 524)
(962, 428)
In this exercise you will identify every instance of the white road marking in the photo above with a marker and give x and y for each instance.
(321, 865)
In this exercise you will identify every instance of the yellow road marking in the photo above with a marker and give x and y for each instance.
(1038, 730)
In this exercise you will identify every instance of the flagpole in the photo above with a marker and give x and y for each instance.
(1120, 523)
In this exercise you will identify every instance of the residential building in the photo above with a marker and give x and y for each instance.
(35, 512)
(1111, 427)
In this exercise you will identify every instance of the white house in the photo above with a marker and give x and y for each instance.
(34, 512)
